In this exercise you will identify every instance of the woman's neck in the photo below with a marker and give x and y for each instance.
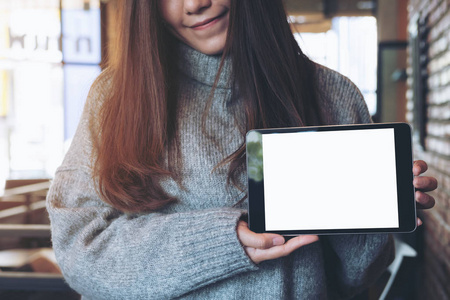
(203, 68)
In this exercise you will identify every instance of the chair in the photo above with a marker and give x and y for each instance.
(402, 250)
(24, 224)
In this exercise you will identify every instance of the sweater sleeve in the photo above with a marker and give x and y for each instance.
(354, 262)
(106, 254)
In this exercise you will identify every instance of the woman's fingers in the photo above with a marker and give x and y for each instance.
(425, 184)
(259, 255)
(424, 201)
(419, 167)
(419, 222)
(260, 241)
(265, 246)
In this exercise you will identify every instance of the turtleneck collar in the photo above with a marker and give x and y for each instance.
(203, 68)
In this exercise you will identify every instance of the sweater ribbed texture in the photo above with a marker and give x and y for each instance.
(190, 249)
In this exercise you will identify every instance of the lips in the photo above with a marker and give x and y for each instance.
(207, 21)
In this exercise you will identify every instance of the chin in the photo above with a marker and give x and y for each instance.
(213, 49)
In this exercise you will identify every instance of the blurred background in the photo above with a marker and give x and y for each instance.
(395, 51)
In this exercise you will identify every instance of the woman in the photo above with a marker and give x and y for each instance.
(149, 202)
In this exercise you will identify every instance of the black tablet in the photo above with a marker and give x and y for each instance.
(331, 179)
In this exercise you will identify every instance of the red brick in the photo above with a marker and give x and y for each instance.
(436, 276)
(439, 112)
(439, 57)
(438, 12)
(436, 263)
(439, 96)
(437, 145)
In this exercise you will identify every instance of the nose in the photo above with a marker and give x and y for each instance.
(196, 6)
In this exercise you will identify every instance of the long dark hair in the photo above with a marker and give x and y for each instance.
(272, 74)
(137, 120)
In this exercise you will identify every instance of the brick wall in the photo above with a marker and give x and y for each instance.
(436, 251)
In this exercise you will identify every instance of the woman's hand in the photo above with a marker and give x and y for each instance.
(266, 246)
(423, 184)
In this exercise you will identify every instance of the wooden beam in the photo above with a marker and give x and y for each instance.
(25, 230)
(26, 189)
(22, 210)
(32, 281)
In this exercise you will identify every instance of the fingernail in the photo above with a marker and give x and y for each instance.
(419, 222)
(279, 240)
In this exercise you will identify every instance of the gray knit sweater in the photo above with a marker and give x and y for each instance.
(190, 249)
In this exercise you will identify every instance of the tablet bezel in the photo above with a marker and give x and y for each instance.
(405, 189)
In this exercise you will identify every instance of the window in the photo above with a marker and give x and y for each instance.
(49, 56)
(349, 47)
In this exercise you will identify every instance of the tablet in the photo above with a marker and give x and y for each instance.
(331, 179)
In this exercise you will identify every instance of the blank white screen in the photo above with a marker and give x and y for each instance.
(330, 180)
